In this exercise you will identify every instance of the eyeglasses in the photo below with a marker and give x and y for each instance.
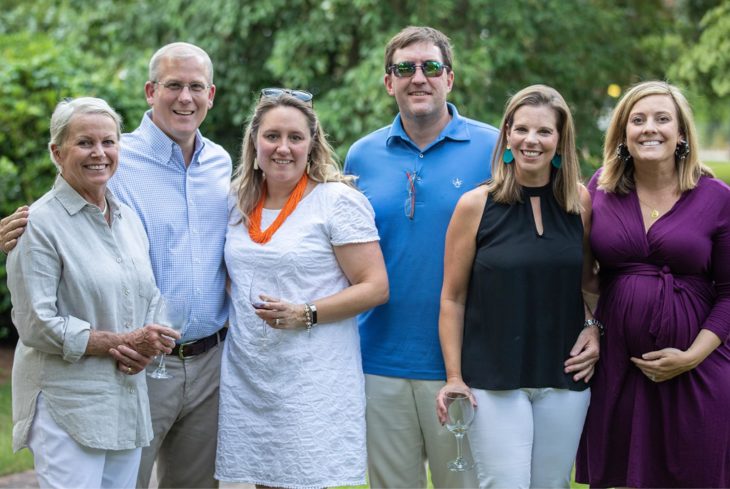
(407, 69)
(409, 206)
(176, 86)
(302, 95)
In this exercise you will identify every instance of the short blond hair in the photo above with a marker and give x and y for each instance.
(179, 50)
(67, 109)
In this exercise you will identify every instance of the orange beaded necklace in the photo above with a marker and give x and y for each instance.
(254, 219)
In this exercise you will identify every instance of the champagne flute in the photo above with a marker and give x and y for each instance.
(460, 414)
(174, 318)
(263, 284)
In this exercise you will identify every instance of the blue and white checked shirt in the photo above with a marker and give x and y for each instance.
(185, 213)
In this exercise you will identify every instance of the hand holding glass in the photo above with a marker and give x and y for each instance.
(170, 317)
(263, 284)
(459, 415)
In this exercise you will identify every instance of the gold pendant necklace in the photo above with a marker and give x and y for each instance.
(654, 212)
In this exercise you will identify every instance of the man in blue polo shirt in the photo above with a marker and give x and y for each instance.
(177, 181)
(414, 171)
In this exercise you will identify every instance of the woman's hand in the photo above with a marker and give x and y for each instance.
(664, 364)
(584, 355)
(152, 340)
(667, 363)
(129, 361)
(282, 315)
(453, 386)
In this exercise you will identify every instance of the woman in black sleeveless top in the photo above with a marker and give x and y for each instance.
(515, 334)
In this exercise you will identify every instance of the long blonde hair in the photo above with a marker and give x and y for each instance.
(618, 175)
(503, 185)
(323, 166)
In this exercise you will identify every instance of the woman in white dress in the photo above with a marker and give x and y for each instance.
(302, 246)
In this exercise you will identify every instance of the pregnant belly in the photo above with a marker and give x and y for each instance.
(653, 312)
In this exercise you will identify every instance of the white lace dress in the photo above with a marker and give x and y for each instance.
(292, 411)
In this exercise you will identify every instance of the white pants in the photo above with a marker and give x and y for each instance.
(61, 462)
(527, 437)
(403, 431)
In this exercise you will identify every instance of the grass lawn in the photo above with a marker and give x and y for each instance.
(10, 462)
(722, 170)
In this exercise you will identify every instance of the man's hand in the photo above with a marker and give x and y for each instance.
(11, 227)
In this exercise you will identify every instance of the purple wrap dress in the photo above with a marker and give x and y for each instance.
(658, 290)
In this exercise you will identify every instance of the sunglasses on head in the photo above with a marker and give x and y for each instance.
(407, 69)
(302, 95)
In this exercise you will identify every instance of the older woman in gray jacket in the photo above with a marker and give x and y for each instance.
(82, 290)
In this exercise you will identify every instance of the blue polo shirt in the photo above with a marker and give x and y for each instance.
(414, 193)
(185, 214)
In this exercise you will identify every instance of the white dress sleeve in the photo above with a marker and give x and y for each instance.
(352, 218)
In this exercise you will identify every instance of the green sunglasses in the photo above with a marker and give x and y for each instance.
(407, 69)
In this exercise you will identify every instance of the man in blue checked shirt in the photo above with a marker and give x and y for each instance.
(414, 171)
(177, 181)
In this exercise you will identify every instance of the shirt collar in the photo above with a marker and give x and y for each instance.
(72, 201)
(162, 144)
(457, 129)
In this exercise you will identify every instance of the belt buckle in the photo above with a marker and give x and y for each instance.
(181, 350)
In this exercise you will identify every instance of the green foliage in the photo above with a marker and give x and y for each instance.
(10, 462)
(722, 171)
(333, 48)
(706, 65)
(36, 73)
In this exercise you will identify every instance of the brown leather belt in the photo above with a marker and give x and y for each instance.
(198, 347)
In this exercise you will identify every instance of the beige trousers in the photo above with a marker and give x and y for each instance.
(185, 421)
(403, 432)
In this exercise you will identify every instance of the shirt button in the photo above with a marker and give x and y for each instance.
(119, 260)
(127, 325)
(421, 155)
(126, 291)
(131, 390)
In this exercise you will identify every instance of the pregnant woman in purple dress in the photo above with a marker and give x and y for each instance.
(659, 414)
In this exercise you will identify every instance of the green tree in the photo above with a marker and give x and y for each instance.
(35, 74)
(334, 48)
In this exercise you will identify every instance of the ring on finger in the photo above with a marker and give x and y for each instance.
(276, 321)
(129, 370)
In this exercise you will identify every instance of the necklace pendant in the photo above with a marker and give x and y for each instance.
(654, 213)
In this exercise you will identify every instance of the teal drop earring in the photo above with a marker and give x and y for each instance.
(557, 160)
(507, 156)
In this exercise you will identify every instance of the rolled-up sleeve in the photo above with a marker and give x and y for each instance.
(34, 273)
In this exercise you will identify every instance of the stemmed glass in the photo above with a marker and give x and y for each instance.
(263, 284)
(460, 414)
(174, 318)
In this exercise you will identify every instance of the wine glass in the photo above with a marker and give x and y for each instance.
(460, 414)
(174, 318)
(263, 284)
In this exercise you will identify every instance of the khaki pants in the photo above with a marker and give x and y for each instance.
(185, 421)
(403, 432)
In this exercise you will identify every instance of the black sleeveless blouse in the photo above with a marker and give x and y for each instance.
(524, 308)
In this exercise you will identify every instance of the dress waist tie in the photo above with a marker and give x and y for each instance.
(669, 285)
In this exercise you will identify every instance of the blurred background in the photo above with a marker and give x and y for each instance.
(590, 50)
